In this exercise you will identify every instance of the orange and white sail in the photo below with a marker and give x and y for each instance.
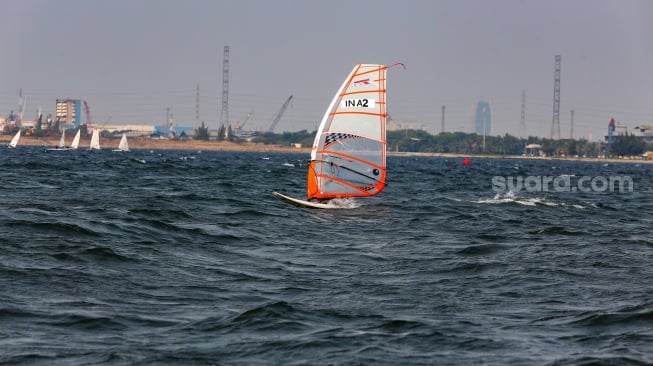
(348, 158)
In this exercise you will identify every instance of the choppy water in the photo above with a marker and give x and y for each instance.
(173, 257)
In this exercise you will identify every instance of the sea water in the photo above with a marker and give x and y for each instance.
(185, 257)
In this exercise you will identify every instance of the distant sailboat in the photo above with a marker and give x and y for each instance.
(123, 146)
(75, 143)
(14, 141)
(348, 156)
(61, 146)
(95, 140)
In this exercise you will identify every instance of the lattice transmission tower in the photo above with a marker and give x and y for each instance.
(571, 133)
(442, 127)
(197, 105)
(555, 124)
(224, 119)
(522, 122)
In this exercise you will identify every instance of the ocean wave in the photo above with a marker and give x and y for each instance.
(192, 261)
(510, 197)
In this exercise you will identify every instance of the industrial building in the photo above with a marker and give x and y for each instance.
(68, 113)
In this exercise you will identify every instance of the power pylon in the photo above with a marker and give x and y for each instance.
(522, 122)
(225, 88)
(555, 123)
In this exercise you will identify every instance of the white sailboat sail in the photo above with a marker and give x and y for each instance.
(62, 140)
(348, 158)
(123, 145)
(95, 140)
(75, 143)
(14, 140)
(61, 145)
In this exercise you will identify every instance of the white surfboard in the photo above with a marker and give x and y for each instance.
(303, 203)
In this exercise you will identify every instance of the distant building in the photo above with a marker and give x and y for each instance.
(152, 131)
(616, 129)
(483, 118)
(533, 150)
(68, 113)
(406, 124)
(645, 131)
(173, 132)
(130, 130)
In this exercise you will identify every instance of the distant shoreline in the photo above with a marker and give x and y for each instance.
(523, 157)
(145, 143)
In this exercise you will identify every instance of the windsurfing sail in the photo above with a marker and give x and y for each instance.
(75, 143)
(14, 140)
(95, 140)
(348, 158)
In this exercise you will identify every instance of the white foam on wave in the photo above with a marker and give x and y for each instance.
(512, 197)
(344, 203)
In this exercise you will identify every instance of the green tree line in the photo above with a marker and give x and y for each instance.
(472, 143)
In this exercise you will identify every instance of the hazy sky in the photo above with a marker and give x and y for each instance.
(133, 59)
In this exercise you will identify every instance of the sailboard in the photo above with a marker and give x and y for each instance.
(332, 204)
(348, 158)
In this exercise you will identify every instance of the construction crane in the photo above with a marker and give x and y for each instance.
(241, 125)
(87, 111)
(279, 114)
(89, 122)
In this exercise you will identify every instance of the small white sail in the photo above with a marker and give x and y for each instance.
(75, 143)
(123, 145)
(61, 146)
(95, 140)
(14, 140)
(62, 141)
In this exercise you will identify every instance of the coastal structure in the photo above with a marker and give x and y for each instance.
(646, 131)
(533, 150)
(130, 130)
(68, 113)
(616, 129)
(153, 131)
